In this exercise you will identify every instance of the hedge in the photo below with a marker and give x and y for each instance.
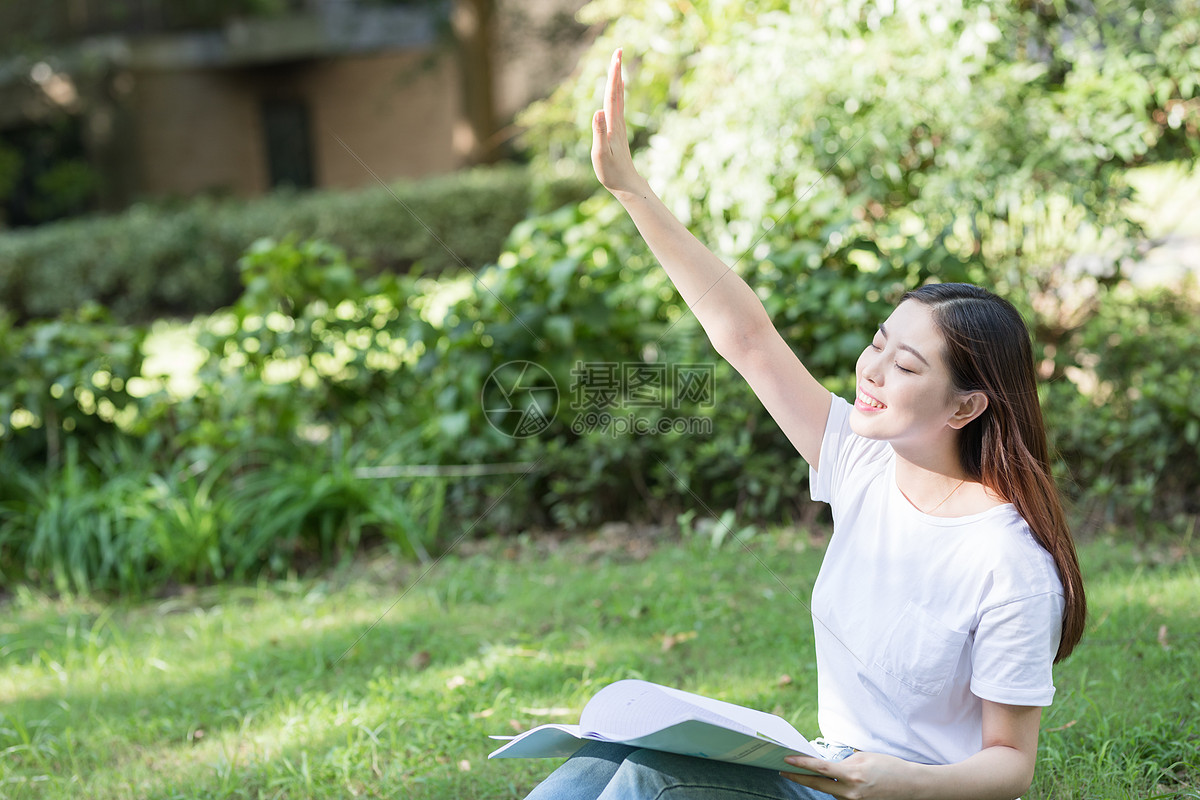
(157, 261)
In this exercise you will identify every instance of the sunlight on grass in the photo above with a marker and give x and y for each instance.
(367, 683)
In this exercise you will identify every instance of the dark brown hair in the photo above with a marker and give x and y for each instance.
(988, 349)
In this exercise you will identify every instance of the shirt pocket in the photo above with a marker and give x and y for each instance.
(920, 651)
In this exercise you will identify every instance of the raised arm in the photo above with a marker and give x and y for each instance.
(730, 313)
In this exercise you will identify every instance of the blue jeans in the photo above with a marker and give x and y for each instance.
(602, 771)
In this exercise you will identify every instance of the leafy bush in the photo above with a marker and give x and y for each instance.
(825, 318)
(317, 373)
(576, 286)
(160, 261)
(258, 471)
(1124, 410)
(308, 345)
(67, 377)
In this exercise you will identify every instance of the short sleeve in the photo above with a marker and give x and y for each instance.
(842, 451)
(1014, 651)
(836, 428)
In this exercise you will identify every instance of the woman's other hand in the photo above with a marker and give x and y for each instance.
(1002, 770)
(862, 775)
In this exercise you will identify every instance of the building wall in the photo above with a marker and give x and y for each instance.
(536, 46)
(201, 130)
(167, 113)
(194, 131)
(398, 113)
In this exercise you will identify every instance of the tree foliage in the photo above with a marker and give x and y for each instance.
(990, 133)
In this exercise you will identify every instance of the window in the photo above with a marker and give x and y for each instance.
(289, 144)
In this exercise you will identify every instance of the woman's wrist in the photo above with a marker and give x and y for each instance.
(637, 190)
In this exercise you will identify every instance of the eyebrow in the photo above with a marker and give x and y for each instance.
(909, 348)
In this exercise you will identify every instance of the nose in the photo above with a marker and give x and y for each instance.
(870, 366)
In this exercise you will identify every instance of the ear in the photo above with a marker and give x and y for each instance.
(970, 406)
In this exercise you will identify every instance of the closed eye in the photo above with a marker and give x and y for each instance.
(908, 348)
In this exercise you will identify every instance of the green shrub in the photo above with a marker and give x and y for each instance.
(179, 261)
(108, 488)
(317, 372)
(577, 286)
(1123, 408)
(67, 377)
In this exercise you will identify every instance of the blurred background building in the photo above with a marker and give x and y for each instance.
(104, 102)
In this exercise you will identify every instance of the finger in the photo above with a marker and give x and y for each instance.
(609, 86)
(619, 100)
(614, 98)
(825, 785)
(827, 770)
(823, 781)
(599, 133)
(601, 149)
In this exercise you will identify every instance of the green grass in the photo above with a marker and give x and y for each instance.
(380, 680)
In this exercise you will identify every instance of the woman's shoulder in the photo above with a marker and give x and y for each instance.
(1010, 553)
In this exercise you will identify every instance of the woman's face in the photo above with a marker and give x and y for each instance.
(904, 391)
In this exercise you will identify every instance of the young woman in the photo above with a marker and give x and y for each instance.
(950, 585)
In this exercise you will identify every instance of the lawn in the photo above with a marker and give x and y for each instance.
(384, 679)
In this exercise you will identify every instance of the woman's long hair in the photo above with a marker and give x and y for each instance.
(988, 350)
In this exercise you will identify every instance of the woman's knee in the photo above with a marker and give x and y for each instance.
(654, 775)
(584, 775)
(666, 763)
(650, 774)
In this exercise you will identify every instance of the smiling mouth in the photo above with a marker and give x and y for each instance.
(868, 401)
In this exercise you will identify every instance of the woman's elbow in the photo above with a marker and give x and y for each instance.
(736, 341)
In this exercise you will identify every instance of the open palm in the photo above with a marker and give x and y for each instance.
(610, 142)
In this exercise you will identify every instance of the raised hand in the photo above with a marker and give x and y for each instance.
(610, 143)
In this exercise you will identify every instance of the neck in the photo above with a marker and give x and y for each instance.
(934, 462)
(927, 479)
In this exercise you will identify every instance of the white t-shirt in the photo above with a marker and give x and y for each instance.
(918, 619)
